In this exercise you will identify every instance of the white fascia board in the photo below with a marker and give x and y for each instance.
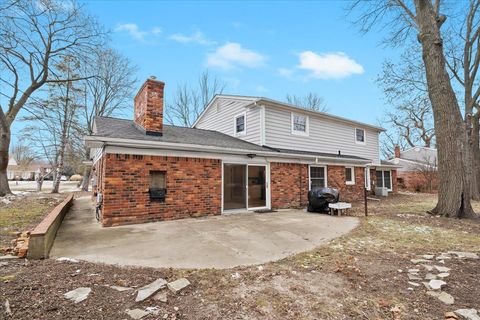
(137, 144)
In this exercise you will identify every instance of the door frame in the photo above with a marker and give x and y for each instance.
(267, 186)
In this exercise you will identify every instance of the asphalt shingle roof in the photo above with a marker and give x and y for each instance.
(126, 129)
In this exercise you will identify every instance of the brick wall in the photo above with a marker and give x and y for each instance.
(193, 188)
(336, 179)
(288, 185)
(417, 181)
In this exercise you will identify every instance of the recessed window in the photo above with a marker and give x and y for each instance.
(317, 177)
(349, 175)
(384, 179)
(299, 124)
(360, 136)
(240, 124)
(158, 185)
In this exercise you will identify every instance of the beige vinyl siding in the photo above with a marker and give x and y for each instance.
(220, 117)
(325, 135)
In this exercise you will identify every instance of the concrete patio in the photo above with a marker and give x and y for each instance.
(215, 242)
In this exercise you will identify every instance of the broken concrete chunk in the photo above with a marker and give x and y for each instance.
(443, 256)
(417, 261)
(161, 296)
(178, 285)
(436, 284)
(8, 310)
(429, 268)
(148, 290)
(78, 295)
(65, 259)
(442, 269)
(443, 275)
(137, 313)
(464, 255)
(413, 270)
(442, 296)
(428, 256)
(413, 277)
(413, 284)
(430, 276)
(469, 314)
(8, 257)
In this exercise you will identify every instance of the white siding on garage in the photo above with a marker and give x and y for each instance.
(325, 135)
(220, 117)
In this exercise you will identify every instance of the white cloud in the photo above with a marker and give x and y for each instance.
(196, 37)
(335, 65)
(233, 55)
(134, 31)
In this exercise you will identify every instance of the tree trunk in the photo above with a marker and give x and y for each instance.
(86, 178)
(476, 156)
(4, 147)
(56, 183)
(454, 188)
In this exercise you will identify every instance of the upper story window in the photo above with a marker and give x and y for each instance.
(240, 124)
(299, 124)
(349, 175)
(360, 136)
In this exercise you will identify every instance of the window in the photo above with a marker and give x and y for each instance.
(360, 136)
(349, 175)
(240, 124)
(158, 186)
(299, 124)
(317, 177)
(384, 179)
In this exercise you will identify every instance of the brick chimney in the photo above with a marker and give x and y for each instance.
(397, 151)
(148, 112)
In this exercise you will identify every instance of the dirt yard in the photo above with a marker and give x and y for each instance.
(362, 275)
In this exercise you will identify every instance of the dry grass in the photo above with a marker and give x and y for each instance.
(22, 214)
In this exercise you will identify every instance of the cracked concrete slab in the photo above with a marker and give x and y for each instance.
(213, 242)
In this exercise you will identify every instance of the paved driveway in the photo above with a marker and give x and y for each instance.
(215, 242)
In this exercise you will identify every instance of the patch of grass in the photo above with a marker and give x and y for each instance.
(21, 215)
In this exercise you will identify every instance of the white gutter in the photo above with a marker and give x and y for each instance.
(96, 141)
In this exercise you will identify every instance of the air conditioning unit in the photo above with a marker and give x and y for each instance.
(381, 192)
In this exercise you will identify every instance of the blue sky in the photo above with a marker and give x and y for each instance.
(258, 48)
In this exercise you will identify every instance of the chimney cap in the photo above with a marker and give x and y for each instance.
(153, 77)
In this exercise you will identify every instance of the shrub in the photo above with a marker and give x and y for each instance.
(76, 177)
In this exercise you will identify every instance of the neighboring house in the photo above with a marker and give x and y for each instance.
(243, 153)
(417, 168)
(17, 172)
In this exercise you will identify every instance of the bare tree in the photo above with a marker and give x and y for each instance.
(51, 121)
(24, 155)
(424, 18)
(311, 101)
(34, 36)
(427, 170)
(189, 102)
(108, 91)
(406, 93)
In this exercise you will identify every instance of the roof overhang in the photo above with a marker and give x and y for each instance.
(99, 142)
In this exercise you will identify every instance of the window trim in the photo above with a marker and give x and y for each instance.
(307, 124)
(240, 133)
(350, 182)
(364, 136)
(310, 175)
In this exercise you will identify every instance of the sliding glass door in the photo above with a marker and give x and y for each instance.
(257, 193)
(234, 187)
(244, 186)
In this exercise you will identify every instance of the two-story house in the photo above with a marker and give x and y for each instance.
(243, 153)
